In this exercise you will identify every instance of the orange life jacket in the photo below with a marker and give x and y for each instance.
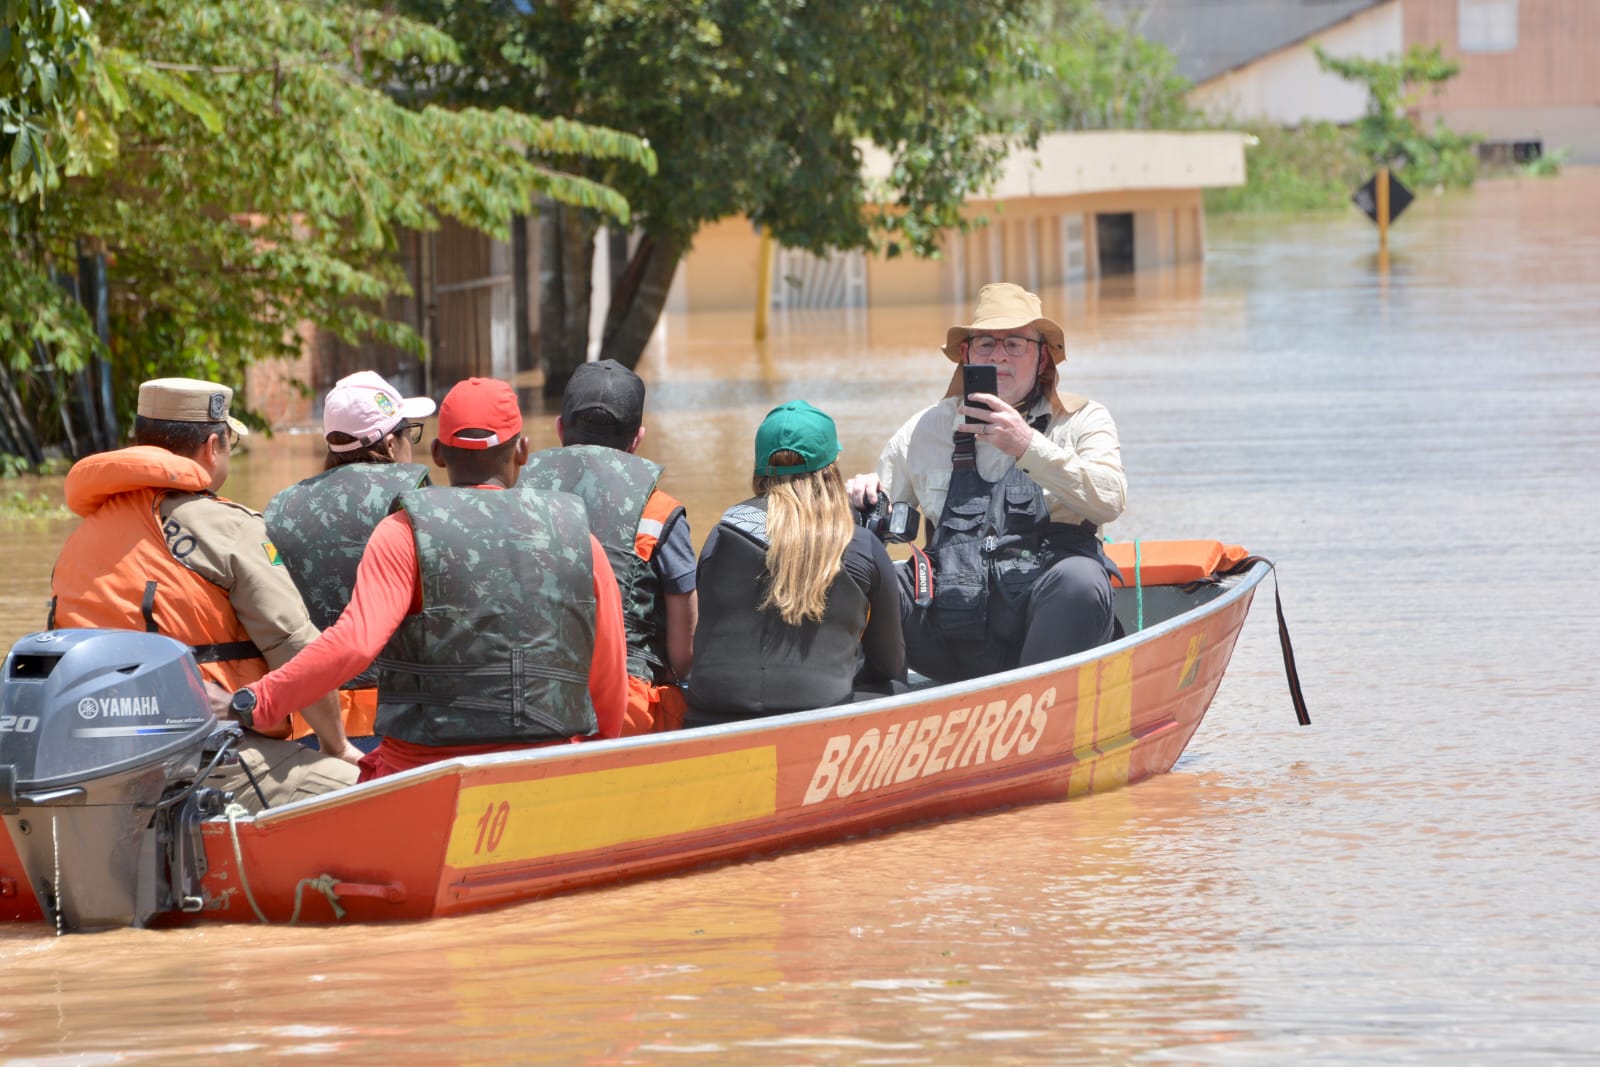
(657, 510)
(653, 708)
(118, 570)
(359, 710)
(1172, 562)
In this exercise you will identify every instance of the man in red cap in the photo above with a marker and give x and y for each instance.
(481, 609)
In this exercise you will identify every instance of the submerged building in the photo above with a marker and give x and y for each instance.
(1080, 206)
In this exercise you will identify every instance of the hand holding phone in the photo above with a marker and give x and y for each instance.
(979, 378)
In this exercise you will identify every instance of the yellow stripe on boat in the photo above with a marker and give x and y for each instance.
(516, 821)
(1100, 745)
(1191, 661)
(1116, 722)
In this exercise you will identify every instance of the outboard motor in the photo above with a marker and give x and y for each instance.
(105, 739)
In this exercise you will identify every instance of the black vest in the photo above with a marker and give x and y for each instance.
(320, 528)
(993, 541)
(615, 486)
(748, 662)
(502, 648)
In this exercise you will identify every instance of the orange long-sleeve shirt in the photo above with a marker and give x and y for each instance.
(388, 588)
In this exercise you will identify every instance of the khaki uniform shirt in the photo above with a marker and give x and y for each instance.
(227, 544)
(1077, 461)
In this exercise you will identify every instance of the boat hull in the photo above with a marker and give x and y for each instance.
(472, 833)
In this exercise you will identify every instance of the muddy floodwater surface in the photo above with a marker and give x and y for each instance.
(1409, 880)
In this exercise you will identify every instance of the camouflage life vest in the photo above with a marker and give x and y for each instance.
(615, 488)
(501, 649)
(321, 526)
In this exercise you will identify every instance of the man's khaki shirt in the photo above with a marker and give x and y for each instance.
(227, 544)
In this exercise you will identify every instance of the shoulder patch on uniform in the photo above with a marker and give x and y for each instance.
(272, 553)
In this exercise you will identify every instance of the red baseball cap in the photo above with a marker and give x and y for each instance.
(487, 406)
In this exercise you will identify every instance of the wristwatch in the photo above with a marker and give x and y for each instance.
(243, 706)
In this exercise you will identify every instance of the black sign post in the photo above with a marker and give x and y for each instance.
(1383, 198)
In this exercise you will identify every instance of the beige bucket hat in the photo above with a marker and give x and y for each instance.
(1006, 306)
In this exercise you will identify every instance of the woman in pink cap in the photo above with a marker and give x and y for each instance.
(320, 525)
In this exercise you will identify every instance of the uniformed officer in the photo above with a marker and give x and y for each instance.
(158, 550)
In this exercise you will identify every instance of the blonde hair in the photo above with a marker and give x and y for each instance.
(808, 526)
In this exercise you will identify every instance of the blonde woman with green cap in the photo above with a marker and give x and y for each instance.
(799, 607)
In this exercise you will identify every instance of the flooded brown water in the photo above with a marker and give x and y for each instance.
(1409, 880)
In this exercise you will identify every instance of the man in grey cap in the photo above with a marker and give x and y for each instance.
(644, 531)
(158, 550)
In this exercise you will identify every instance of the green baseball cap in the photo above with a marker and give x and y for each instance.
(800, 428)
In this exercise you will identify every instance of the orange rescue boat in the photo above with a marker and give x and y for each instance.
(483, 831)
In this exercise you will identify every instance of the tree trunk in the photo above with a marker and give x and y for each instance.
(616, 254)
(638, 299)
(65, 401)
(566, 266)
(94, 385)
(527, 353)
(23, 440)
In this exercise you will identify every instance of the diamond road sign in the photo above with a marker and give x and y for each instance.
(1366, 198)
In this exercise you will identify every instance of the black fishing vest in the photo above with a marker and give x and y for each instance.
(749, 662)
(993, 541)
(502, 648)
(320, 528)
(615, 487)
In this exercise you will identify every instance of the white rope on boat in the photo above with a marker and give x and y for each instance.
(233, 811)
(55, 841)
(323, 883)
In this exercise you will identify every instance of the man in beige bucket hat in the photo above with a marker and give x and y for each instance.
(158, 550)
(1015, 485)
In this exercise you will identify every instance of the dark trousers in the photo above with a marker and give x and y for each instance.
(1070, 609)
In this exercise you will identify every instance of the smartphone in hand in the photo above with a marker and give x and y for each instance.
(979, 378)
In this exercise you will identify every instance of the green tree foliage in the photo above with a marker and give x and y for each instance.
(1311, 167)
(1098, 75)
(1387, 133)
(754, 107)
(261, 172)
(46, 54)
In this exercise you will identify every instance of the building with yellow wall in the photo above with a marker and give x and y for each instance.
(1080, 206)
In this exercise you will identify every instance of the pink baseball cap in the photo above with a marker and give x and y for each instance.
(367, 407)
